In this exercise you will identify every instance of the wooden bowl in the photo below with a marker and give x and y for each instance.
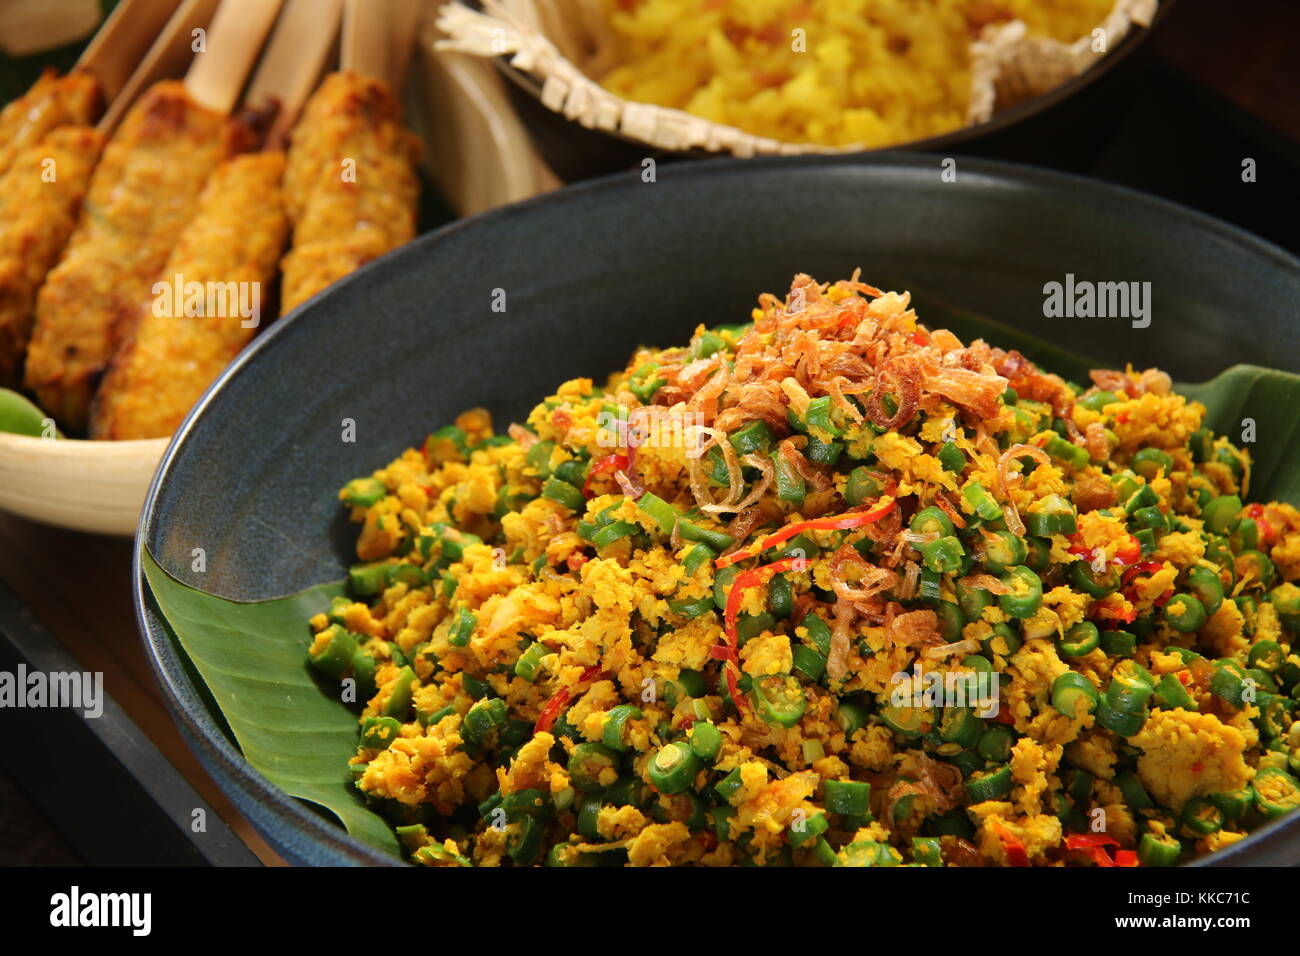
(95, 486)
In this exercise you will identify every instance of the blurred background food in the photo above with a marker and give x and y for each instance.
(751, 77)
(869, 72)
(341, 222)
(142, 196)
(175, 197)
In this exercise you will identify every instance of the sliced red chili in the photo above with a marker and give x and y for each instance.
(1266, 532)
(1137, 570)
(1131, 553)
(551, 710)
(1109, 612)
(730, 652)
(1100, 857)
(854, 519)
(1016, 854)
(612, 462)
(1143, 567)
(1082, 841)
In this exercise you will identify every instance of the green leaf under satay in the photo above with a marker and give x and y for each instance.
(252, 657)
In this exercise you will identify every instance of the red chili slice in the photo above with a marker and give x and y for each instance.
(1016, 854)
(1144, 567)
(1108, 612)
(854, 519)
(612, 462)
(551, 709)
(1100, 857)
(1266, 532)
(1084, 841)
(1131, 553)
(729, 653)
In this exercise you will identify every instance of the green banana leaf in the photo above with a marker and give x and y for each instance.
(1268, 396)
(252, 657)
(1271, 399)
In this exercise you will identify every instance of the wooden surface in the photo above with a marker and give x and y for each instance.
(79, 587)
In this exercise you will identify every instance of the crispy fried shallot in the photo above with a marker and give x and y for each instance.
(1014, 524)
(869, 582)
(984, 582)
(920, 628)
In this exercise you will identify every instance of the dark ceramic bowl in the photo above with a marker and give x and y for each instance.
(1036, 131)
(593, 271)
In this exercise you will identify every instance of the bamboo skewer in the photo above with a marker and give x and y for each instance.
(365, 44)
(378, 38)
(404, 22)
(94, 485)
(234, 239)
(217, 75)
(169, 54)
(115, 52)
(295, 58)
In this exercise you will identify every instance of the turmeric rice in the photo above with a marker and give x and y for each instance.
(829, 72)
(828, 588)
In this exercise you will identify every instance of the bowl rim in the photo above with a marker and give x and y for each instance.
(1027, 109)
(87, 446)
(267, 806)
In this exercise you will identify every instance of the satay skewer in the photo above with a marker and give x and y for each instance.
(48, 151)
(141, 197)
(350, 184)
(216, 282)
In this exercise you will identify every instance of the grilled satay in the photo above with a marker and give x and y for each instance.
(53, 101)
(141, 196)
(350, 183)
(40, 197)
(226, 257)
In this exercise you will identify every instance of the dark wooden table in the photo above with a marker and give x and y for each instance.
(79, 587)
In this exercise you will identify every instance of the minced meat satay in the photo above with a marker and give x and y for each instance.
(350, 184)
(40, 197)
(53, 101)
(231, 249)
(141, 197)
